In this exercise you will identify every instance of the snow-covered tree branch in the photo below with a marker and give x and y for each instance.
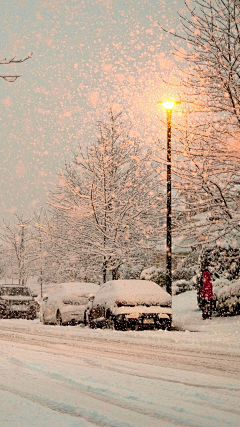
(108, 201)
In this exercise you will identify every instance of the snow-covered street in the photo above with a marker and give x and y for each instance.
(75, 376)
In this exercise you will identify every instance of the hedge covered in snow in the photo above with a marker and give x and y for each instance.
(222, 258)
(155, 274)
(180, 286)
(158, 275)
(227, 297)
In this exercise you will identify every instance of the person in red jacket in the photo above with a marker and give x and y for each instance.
(207, 296)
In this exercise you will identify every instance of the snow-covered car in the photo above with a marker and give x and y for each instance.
(67, 303)
(17, 301)
(131, 304)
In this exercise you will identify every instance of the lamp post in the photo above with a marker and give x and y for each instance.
(168, 106)
(22, 256)
(10, 78)
(41, 259)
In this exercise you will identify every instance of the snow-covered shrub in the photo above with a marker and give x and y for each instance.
(180, 286)
(183, 277)
(187, 269)
(155, 274)
(228, 299)
(127, 271)
(222, 258)
(218, 284)
(183, 273)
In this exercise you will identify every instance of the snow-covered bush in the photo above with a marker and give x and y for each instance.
(180, 286)
(220, 283)
(228, 298)
(184, 278)
(130, 271)
(183, 273)
(222, 258)
(155, 274)
(187, 269)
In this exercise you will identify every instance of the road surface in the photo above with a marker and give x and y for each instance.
(72, 376)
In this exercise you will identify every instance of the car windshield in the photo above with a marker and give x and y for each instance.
(74, 299)
(16, 290)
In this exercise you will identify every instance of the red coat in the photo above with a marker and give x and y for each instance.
(207, 292)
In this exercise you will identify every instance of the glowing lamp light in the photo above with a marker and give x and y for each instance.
(10, 78)
(168, 105)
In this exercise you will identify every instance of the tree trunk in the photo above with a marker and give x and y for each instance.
(104, 270)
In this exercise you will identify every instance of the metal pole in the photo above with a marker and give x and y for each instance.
(169, 207)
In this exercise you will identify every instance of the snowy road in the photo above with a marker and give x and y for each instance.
(73, 376)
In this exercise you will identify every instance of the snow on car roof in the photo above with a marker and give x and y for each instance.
(131, 292)
(12, 285)
(82, 288)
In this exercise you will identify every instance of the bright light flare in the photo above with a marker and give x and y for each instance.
(168, 105)
(10, 77)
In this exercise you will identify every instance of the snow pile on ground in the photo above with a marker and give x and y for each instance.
(217, 332)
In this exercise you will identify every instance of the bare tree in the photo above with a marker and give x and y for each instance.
(207, 170)
(16, 238)
(207, 181)
(211, 31)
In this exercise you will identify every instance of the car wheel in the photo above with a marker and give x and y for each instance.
(120, 325)
(132, 326)
(32, 315)
(92, 325)
(139, 326)
(86, 319)
(59, 318)
(44, 320)
(164, 324)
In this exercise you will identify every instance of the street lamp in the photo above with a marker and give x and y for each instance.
(168, 106)
(10, 78)
(5, 61)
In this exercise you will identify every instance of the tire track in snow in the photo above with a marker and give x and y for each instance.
(72, 350)
(94, 394)
(75, 412)
(168, 356)
(54, 406)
